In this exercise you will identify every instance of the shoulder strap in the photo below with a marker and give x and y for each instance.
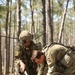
(51, 44)
(45, 48)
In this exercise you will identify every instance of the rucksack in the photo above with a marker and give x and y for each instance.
(54, 43)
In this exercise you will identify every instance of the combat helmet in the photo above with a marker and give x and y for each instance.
(25, 36)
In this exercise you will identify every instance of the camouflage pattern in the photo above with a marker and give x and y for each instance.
(24, 54)
(25, 35)
(42, 69)
(56, 60)
(69, 62)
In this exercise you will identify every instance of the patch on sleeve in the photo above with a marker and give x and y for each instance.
(49, 61)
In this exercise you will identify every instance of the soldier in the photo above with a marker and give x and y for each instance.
(23, 53)
(58, 60)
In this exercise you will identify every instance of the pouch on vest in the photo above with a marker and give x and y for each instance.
(68, 59)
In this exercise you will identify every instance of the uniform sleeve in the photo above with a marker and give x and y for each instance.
(51, 64)
(40, 69)
(17, 59)
(53, 56)
(50, 58)
(17, 52)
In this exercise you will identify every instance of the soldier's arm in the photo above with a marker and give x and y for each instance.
(40, 69)
(17, 52)
(18, 63)
(51, 69)
(52, 63)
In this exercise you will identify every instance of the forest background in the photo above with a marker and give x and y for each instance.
(48, 20)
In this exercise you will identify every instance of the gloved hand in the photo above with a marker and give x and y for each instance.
(22, 67)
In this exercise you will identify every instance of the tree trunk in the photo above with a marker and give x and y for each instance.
(14, 36)
(19, 17)
(7, 49)
(0, 53)
(32, 29)
(62, 23)
(74, 24)
(44, 22)
(49, 20)
(10, 43)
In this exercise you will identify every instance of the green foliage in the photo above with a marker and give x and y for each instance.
(58, 6)
(37, 4)
(57, 10)
(2, 11)
(60, 3)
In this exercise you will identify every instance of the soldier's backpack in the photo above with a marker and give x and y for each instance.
(45, 48)
(68, 59)
(51, 44)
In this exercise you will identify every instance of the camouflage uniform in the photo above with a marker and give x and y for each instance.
(60, 61)
(24, 54)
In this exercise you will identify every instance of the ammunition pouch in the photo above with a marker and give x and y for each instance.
(68, 59)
